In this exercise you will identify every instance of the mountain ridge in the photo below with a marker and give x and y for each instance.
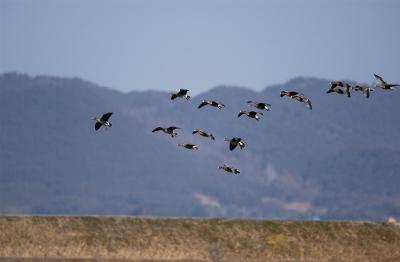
(297, 164)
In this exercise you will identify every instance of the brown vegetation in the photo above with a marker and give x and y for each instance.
(184, 239)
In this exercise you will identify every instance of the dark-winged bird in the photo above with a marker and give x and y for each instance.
(297, 96)
(211, 103)
(288, 93)
(251, 114)
(365, 89)
(103, 120)
(203, 133)
(167, 130)
(382, 84)
(335, 87)
(234, 142)
(303, 99)
(259, 105)
(182, 94)
(229, 169)
(189, 146)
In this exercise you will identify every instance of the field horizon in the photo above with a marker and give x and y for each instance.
(127, 238)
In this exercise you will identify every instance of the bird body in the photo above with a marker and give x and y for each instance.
(102, 121)
(303, 99)
(365, 89)
(297, 96)
(288, 93)
(259, 105)
(251, 114)
(234, 142)
(229, 169)
(203, 133)
(211, 103)
(167, 130)
(182, 93)
(382, 84)
(335, 87)
(189, 146)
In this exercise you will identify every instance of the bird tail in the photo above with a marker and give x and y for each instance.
(173, 96)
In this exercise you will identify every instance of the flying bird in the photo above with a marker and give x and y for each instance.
(251, 114)
(305, 100)
(382, 84)
(335, 87)
(103, 120)
(211, 103)
(189, 146)
(234, 142)
(297, 96)
(288, 93)
(229, 169)
(167, 130)
(203, 133)
(259, 105)
(365, 89)
(182, 93)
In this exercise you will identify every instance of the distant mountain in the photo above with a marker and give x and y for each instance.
(339, 161)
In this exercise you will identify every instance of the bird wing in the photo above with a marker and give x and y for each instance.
(97, 125)
(308, 103)
(380, 79)
(195, 131)
(203, 104)
(232, 145)
(241, 113)
(173, 96)
(172, 128)
(157, 129)
(366, 92)
(106, 116)
(183, 91)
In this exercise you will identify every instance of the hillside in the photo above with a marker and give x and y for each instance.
(197, 239)
(338, 161)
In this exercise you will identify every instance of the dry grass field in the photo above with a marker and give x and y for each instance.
(88, 238)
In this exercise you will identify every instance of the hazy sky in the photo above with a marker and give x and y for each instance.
(164, 45)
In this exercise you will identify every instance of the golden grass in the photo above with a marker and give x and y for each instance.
(183, 239)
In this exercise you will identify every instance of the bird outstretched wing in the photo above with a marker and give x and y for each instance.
(380, 78)
(97, 126)
(241, 113)
(172, 128)
(157, 129)
(308, 103)
(232, 145)
(203, 104)
(106, 116)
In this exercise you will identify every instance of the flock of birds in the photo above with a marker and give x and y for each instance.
(339, 87)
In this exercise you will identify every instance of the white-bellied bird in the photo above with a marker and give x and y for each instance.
(182, 93)
(211, 103)
(167, 130)
(229, 169)
(102, 121)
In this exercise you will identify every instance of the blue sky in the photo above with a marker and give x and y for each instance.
(194, 44)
